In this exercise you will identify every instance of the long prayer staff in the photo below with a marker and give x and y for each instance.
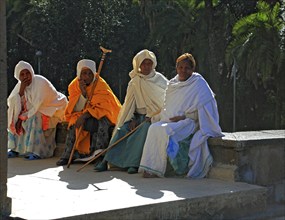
(122, 138)
(105, 51)
(111, 146)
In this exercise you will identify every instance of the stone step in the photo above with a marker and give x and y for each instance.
(248, 157)
(225, 172)
(254, 157)
(230, 205)
(118, 195)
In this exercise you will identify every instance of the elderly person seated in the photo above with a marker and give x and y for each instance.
(188, 118)
(144, 98)
(93, 107)
(34, 109)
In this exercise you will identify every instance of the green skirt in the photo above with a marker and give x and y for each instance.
(128, 152)
(179, 164)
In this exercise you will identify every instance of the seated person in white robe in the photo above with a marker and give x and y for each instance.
(144, 98)
(188, 118)
(34, 109)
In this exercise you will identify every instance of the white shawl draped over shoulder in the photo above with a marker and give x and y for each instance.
(143, 92)
(186, 97)
(197, 101)
(41, 96)
(194, 99)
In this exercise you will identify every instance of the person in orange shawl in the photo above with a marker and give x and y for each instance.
(96, 112)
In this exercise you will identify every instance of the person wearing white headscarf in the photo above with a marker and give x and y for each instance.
(34, 109)
(144, 99)
(93, 107)
(189, 117)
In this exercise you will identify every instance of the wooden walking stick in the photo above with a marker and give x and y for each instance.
(111, 146)
(114, 144)
(105, 51)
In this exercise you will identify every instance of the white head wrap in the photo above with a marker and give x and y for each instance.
(145, 93)
(139, 58)
(90, 64)
(41, 96)
(21, 66)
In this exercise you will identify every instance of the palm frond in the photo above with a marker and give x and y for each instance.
(256, 44)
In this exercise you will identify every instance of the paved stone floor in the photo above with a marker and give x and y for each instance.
(41, 190)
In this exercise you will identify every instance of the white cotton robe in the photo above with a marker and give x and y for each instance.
(41, 98)
(194, 99)
(145, 93)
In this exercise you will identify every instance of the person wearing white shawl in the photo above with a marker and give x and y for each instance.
(144, 98)
(34, 109)
(189, 117)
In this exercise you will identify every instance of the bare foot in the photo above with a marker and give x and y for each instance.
(148, 175)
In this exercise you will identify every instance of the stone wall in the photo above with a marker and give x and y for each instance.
(61, 132)
(255, 157)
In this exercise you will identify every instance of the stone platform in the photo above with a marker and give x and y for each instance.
(254, 157)
(41, 190)
(246, 182)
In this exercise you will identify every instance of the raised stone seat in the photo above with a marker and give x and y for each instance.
(255, 157)
(239, 157)
(61, 132)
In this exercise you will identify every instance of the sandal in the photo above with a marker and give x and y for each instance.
(12, 154)
(32, 156)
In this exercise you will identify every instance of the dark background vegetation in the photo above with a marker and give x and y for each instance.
(242, 38)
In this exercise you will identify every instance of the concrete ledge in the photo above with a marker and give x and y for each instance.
(258, 155)
(118, 195)
(227, 206)
(59, 149)
(224, 172)
(255, 157)
(61, 132)
(240, 140)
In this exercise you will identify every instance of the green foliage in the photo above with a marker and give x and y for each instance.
(206, 29)
(67, 31)
(256, 43)
(174, 35)
(257, 48)
(215, 32)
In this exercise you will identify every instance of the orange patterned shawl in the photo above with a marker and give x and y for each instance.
(103, 103)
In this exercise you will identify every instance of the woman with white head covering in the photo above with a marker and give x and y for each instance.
(188, 118)
(144, 98)
(34, 109)
(93, 108)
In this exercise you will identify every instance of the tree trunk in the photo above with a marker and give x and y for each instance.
(145, 5)
(5, 202)
(278, 107)
(215, 59)
(209, 18)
